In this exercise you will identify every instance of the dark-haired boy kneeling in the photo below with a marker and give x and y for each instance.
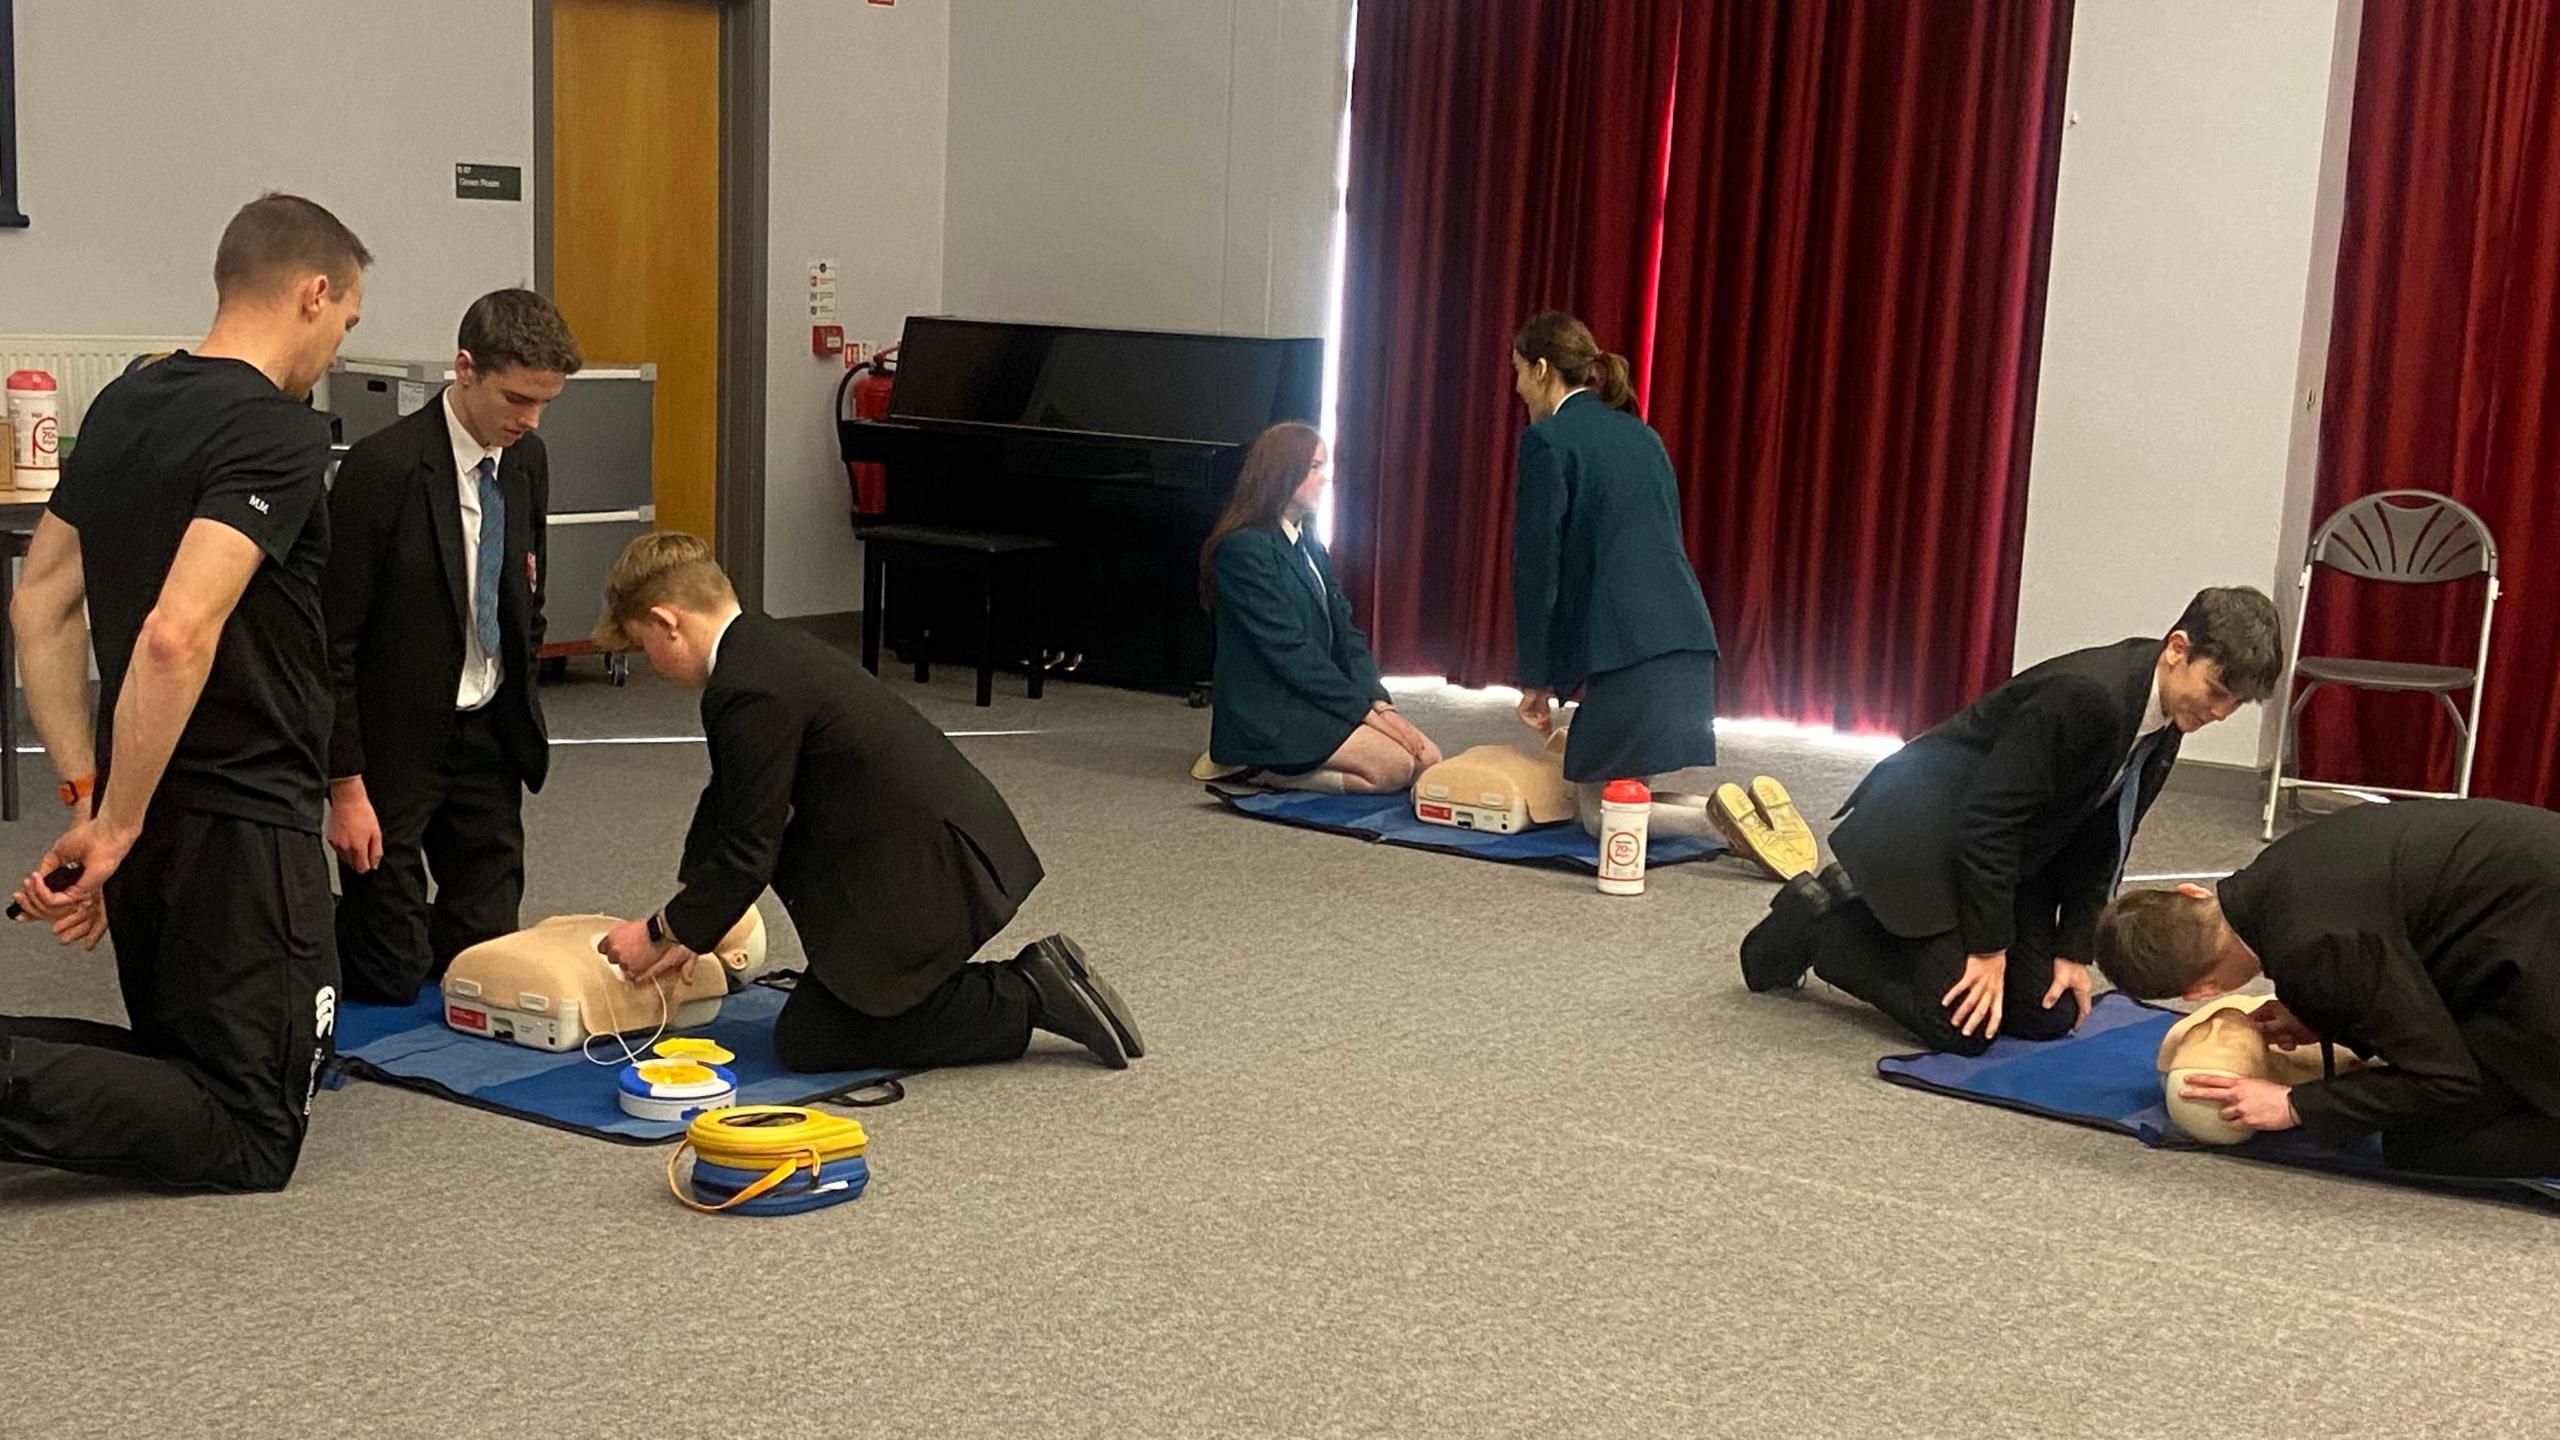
(1974, 860)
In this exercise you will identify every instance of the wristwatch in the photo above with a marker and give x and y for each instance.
(658, 928)
(75, 791)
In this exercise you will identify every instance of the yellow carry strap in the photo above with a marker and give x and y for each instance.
(779, 1139)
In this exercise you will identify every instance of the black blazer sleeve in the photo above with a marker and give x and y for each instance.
(2391, 1011)
(538, 485)
(364, 506)
(2045, 745)
(2085, 872)
(2034, 931)
(2082, 875)
(736, 838)
(1250, 578)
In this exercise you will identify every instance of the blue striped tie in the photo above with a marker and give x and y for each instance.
(493, 556)
(2129, 797)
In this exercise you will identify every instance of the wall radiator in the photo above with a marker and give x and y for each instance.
(81, 364)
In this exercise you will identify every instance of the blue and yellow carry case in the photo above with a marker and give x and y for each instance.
(770, 1160)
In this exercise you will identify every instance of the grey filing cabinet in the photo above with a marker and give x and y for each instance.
(600, 435)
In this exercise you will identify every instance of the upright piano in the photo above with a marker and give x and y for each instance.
(1122, 446)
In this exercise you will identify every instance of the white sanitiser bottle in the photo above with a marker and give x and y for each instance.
(1625, 807)
(35, 416)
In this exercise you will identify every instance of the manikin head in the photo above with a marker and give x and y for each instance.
(668, 599)
(2172, 944)
(1554, 355)
(2222, 654)
(289, 284)
(515, 356)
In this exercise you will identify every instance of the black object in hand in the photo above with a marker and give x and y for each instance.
(62, 878)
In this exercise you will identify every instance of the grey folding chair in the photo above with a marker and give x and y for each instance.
(2399, 537)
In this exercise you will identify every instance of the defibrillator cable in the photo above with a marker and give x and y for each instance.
(631, 1056)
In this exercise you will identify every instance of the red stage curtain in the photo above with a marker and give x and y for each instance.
(2444, 375)
(1506, 158)
(1852, 312)
(1819, 230)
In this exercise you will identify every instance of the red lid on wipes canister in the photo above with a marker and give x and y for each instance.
(30, 380)
(1627, 792)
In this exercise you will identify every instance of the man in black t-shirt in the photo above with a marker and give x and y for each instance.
(190, 522)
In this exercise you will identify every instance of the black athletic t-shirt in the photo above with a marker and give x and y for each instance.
(195, 438)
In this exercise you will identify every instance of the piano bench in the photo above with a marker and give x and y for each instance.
(995, 561)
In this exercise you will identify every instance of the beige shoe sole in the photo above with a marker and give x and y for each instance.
(1739, 822)
(1797, 851)
(1206, 769)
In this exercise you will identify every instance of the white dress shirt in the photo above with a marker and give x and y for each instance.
(714, 662)
(2154, 715)
(1293, 530)
(479, 667)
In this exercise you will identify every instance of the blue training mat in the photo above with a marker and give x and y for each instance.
(2105, 1074)
(410, 1045)
(1390, 818)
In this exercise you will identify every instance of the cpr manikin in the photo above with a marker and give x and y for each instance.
(547, 986)
(2219, 1040)
(1497, 788)
(1507, 790)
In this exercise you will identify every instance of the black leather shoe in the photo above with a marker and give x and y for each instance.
(1067, 1008)
(1779, 949)
(1804, 897)
(1114, 1009)
(1843, 890)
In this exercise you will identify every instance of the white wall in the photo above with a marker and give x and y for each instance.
(2183, 258)
(2311, 363)
(859, 117)
(143, 124)
(1112, 162)
(1145, 163)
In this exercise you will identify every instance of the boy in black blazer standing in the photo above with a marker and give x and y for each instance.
(434, 603)
(1973, 862)
(894, 857)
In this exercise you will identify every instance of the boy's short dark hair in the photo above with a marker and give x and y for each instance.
(277, 239)
(2155, 944)
(2234, 626)
(519, 330)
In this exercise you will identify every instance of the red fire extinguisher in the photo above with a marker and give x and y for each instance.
(871, 385)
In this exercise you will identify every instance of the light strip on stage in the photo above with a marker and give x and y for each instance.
(672, 739)
(1820, 735)
(696, 739)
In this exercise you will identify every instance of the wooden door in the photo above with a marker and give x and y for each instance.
(635, 206)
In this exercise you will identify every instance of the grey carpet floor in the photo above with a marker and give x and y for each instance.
(1424, 1147)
